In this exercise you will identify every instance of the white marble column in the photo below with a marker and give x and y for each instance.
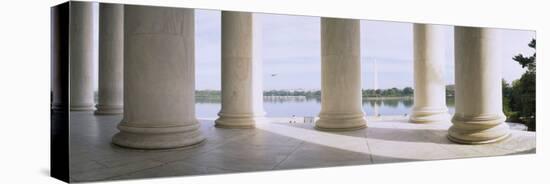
(159, 79)
(111, 41)
(478, 117)
(341, 98)
(429, 76)
(242, 96)
(81, 56)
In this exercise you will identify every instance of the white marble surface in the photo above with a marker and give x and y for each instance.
(159, 79)
(429, 74)
(81, 56)
(241, 98)
(478, 117)
(271, 145)
(341, 107)
(111, 59)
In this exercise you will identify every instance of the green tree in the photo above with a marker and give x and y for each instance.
(377, 92)
(507, 101)
(524, 91)
(450, 90)
(529, 62)
(408, 91)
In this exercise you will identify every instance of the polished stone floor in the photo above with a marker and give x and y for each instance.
(273, 145)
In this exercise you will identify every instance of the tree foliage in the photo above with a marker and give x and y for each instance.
(520, 98)
(391, 92)
(528, 62)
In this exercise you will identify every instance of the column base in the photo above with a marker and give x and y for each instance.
(478, 130)
(429, 115)
(108, 109)
(340, 122)
(168, 137)
(82, 107)
(241, 121)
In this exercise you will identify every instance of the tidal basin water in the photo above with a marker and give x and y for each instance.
(302, 106)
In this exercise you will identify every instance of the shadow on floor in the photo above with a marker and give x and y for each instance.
(436, 136)
(233, 150)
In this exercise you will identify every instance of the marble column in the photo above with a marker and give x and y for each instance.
(81, 56)
(241, 90)
(111, 55)
(341, 98)
(478, 117)
(159, 79)
(429, 76)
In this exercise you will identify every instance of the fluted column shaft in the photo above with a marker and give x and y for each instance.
(341, 98)
(111, 41)
(241, 72)
(478, 114)
(429, 76)
(81, 56)
(159, 79)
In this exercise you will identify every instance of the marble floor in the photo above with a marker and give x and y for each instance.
(273, 145)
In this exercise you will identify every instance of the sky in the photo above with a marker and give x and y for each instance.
(291, 50)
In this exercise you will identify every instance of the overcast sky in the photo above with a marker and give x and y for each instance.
(291, 49)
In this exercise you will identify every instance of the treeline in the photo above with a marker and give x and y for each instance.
(519, 98)
(207, 93)
(315, 93)
(405, 92)
(392, 92)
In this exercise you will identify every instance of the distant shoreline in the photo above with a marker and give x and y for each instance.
(378, 94)
(290, 96)
(387, 97)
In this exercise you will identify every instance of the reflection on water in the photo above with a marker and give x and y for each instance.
(276, 106)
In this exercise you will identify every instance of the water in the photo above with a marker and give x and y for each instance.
(302, 106)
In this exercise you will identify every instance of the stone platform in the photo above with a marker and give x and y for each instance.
(273, 145)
